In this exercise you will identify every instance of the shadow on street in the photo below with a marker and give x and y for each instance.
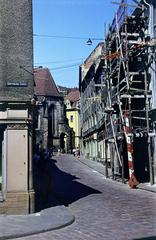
(55, 187)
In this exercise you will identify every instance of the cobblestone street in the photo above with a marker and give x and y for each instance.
(103, 209)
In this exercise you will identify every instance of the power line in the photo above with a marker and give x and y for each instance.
(66, 70)
(61, 61)
(66, 66)
(67, 37)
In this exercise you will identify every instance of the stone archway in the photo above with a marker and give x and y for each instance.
(63, 143)
(66, 138)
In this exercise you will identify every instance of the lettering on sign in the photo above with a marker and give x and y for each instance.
(16, 84)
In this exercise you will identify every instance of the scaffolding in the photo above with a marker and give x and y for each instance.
(128, 56)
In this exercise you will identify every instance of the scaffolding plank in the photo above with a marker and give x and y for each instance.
(130, 34)
(139, 90)
(132, 96)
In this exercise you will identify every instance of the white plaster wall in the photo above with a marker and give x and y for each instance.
(17, 160)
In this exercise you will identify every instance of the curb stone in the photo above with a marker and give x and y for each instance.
(15, 226)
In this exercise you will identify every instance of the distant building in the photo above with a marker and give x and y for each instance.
(51, 125)
(65, 90)
(73, 113)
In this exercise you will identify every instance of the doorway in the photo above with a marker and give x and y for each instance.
(63, 144)
(2, 158)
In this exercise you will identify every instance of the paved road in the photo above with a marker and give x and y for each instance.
(104, 209)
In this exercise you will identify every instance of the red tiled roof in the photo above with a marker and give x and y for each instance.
(73, 96)
(45, 84)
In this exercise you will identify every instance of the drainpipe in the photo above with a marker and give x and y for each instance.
(153, 76)
(150, 27)
(152, 36)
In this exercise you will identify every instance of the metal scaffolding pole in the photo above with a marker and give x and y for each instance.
(148, 131)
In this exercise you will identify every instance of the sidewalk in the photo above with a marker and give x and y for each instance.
(99, 167)
(46, 218)
(14, 226)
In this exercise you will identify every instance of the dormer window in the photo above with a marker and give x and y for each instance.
(68, 104)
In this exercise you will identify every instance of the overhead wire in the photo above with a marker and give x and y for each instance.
(65, 66)
(66, 37)
(60, 61)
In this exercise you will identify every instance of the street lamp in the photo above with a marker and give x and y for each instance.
(89, 42)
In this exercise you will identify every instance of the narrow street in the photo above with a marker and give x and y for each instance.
(103, 209)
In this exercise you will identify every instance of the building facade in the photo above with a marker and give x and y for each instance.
(16, 107)
(91, 108)
(72, 104)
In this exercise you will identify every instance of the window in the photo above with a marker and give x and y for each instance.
(71, 118)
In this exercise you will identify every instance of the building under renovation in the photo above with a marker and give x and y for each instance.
(118, 96)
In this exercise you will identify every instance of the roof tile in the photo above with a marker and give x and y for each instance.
(45, 84)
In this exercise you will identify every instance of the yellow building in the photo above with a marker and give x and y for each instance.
(73, 114)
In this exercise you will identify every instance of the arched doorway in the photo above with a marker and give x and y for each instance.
(63, 142)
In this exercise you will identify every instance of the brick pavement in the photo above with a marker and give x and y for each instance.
(104, 209)
(101, 169)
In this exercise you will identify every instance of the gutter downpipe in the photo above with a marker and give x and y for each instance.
(150, 27)
(153, 77)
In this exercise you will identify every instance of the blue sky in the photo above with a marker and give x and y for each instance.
(71, 18)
